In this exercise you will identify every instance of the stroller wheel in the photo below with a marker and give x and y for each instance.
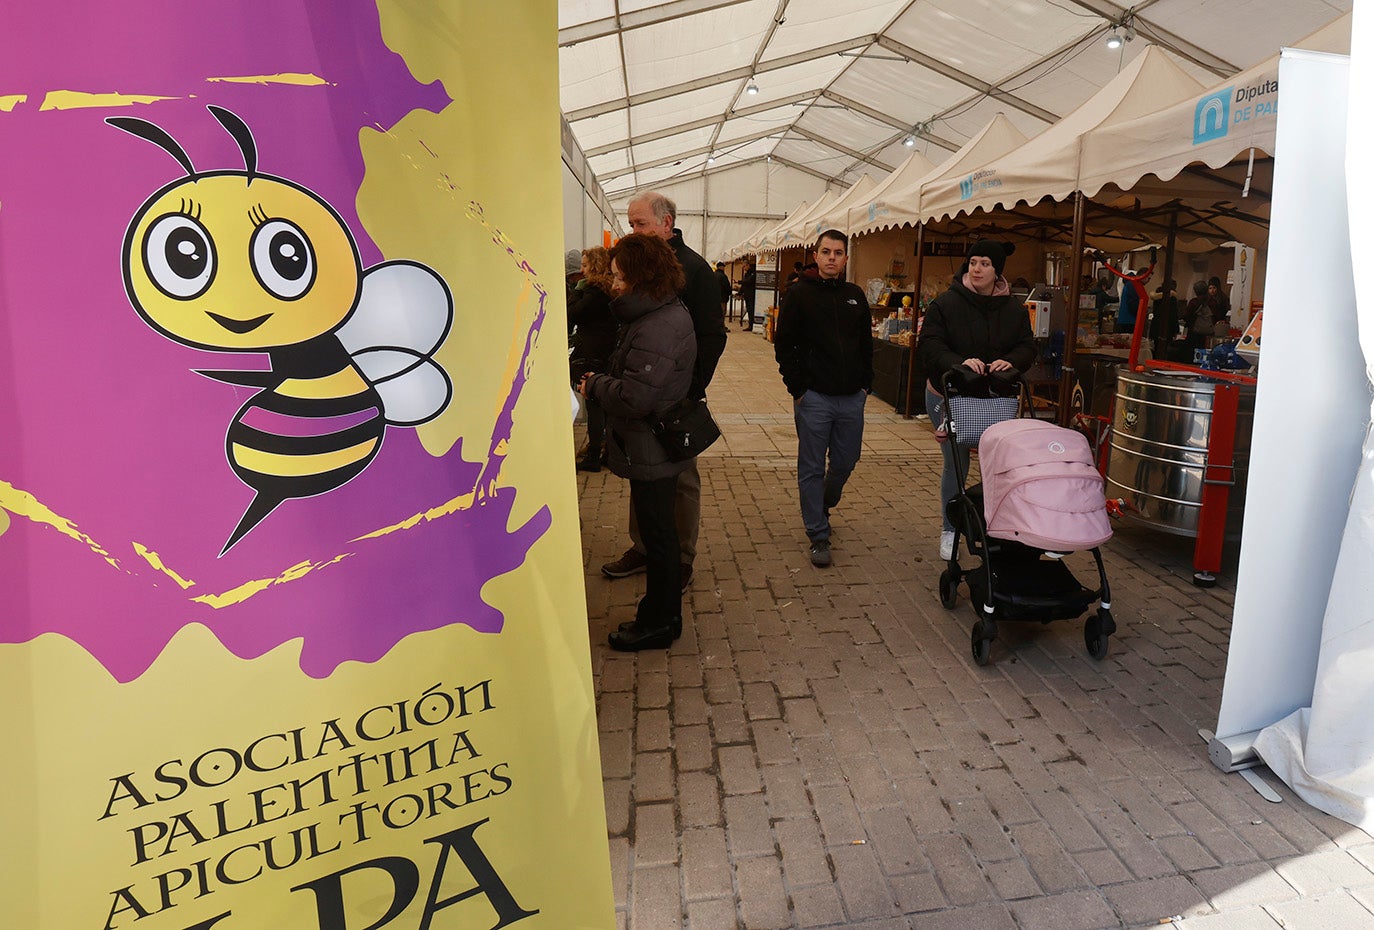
(982, 646)
(1095, 637)
(949, 589)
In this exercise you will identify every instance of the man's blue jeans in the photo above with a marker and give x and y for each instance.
(831, 424)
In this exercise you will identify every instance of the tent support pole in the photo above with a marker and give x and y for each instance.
(915, 318)
(1168, 326)
(1071, 311)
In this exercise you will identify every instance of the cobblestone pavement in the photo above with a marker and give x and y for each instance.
(820, 751)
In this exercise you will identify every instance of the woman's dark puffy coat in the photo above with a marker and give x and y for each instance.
(594, 339)
(961, 324)
(650, 371)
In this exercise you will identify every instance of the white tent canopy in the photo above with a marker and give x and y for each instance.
(837, 216)
(855, 209)
(798, 228)
(905, 205)
(658, 92)
(1048, 164)
(1212, 128)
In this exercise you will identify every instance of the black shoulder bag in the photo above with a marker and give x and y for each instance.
(685, 430)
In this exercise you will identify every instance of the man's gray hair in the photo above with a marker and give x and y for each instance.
(662, 207)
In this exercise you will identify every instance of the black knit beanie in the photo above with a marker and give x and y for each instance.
(993, 250)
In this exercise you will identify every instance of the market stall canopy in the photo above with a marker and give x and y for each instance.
(798, 229)
(1212, 128)
(1047, 166)
(902, 204)
(659, 92)
(856, 209)
(836, 216)
(765, 241)
(743, 247)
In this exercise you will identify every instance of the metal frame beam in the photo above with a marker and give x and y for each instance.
(720, 77)
(702, 124)
(691, 153)
(842, 149)
(884, 118)
(652, 16)
(704, 171)
(1174, 43)
(963, 77)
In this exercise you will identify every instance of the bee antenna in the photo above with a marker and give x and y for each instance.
(154, 134)
(242, 135)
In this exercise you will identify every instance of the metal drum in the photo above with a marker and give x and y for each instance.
(1160, 432)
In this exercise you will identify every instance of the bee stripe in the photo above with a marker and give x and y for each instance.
(331, 407)
(298, 466)
(343, 383)
(284, 424)
(240, 434)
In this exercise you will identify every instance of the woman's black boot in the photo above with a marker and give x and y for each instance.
(637, 636)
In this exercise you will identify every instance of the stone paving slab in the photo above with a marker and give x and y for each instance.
(819, 751)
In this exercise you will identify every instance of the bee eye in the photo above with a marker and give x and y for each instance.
(179, 256)
(282, 258)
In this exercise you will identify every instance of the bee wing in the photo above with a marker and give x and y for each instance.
(403, 305)
(412, 387)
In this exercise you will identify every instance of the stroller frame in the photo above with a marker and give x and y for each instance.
(1012, 581)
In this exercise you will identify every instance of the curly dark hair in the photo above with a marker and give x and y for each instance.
(648, 266)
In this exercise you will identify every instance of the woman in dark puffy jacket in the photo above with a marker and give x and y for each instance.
(649, 371)
(592, 341)
(978, 324)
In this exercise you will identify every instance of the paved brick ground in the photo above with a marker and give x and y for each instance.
(819, 750)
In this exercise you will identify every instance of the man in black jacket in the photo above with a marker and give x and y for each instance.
(655, 214)
(824, 347)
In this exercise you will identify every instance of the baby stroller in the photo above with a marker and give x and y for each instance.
(1041, 497)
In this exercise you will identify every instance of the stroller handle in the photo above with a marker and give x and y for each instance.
(964, 381)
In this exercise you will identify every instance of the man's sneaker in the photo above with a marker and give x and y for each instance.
(946, 545)
(631, 563)
(820, 553)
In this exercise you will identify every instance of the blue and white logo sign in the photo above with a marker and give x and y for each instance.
(966, 188)
(1212, 118)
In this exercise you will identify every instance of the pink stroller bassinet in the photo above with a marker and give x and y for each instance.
(1039, 499)
(1040, 486)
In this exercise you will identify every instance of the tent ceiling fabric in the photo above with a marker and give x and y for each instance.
(652, 90)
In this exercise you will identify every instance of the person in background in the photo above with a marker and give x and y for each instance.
(1164, 316)
(1197, 321)
(654, 214)
(795, 276)
(572, 271)
(723, 282)
(651, 369)
(1221, 307)
(979, 325)
(1130, 300)
(592, 342)
(1102, 292)
(824, 347)
(747, 282)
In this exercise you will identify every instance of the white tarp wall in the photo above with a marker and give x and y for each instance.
(1325, 750)
(586, 211)
(1309, 426)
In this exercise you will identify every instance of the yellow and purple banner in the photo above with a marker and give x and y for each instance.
(291, 624)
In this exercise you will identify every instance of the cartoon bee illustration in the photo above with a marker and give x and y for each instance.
(239, 261)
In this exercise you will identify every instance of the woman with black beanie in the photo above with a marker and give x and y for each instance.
(978, 324)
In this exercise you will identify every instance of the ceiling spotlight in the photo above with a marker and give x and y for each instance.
(1114, 40)
(752, 90)
(909, 141)
(710, 159)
